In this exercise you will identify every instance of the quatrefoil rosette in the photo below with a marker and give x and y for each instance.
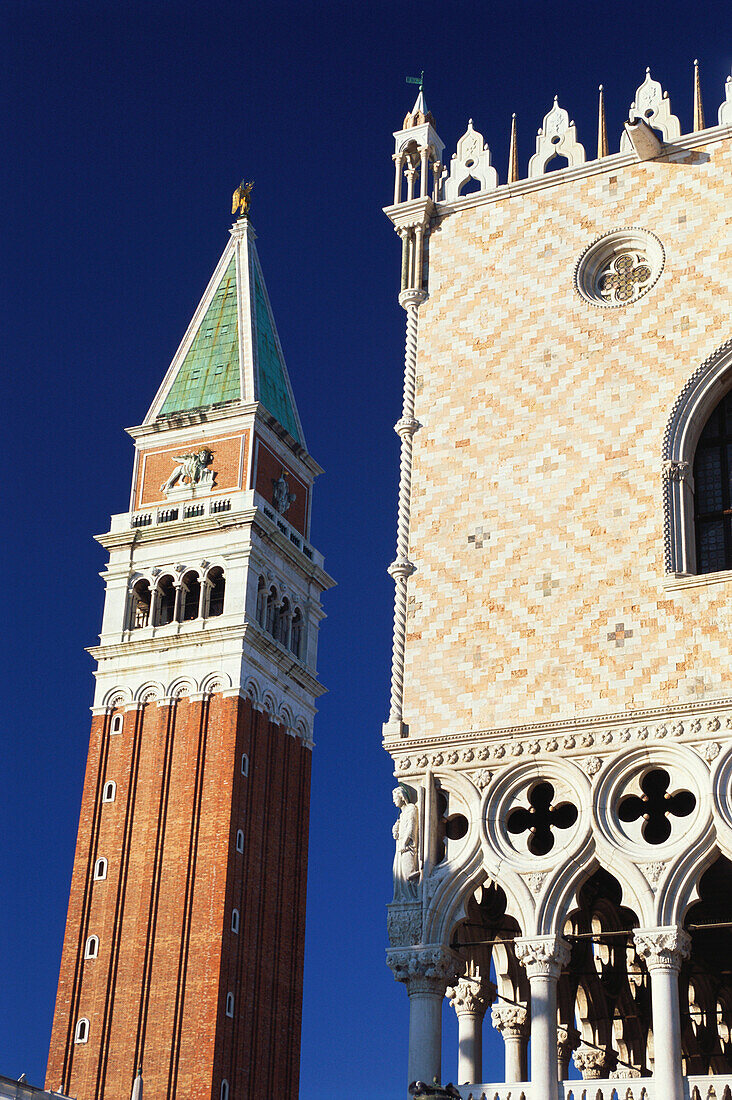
(651, 803)
(538, 814)
(619, 268)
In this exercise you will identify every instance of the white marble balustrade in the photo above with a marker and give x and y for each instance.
(717, 1087)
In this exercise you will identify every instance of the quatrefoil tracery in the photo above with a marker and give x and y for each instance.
(624, 278)
(541, 819)
(656, 805)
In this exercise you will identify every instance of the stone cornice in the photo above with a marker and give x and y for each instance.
(590, 723)
(592, 740)
(245, 518)
(246, 634)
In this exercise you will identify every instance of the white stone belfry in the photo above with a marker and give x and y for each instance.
(556, 138)
(652, 106)
(472, 161)
(560, 718)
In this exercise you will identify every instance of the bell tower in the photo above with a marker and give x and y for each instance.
(183, 954)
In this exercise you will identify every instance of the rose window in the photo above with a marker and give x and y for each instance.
(541, 819)
(656, 806)
(619, 268)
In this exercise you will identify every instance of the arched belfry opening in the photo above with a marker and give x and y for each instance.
(705, 983)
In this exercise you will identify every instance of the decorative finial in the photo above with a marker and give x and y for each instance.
(601, 127)
(241, 200)
(698, 109)
(512, 153)
(417, 80)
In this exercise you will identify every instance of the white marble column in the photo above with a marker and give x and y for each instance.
(470, 998)
(512, 1021)
(543, 958)
(426, 972)
(663, 950)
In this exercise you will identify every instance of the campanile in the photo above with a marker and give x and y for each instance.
(183, 953)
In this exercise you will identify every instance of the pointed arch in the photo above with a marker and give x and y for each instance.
(703, 391)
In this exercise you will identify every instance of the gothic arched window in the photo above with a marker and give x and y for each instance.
(713, 491)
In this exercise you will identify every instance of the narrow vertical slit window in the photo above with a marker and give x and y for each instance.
(100, 869)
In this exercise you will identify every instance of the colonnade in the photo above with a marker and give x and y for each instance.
(431, 972)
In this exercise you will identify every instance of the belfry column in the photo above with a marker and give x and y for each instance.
(426, 972)
(470, 998)
(543, 959)
(663, 951)
(512, 1022)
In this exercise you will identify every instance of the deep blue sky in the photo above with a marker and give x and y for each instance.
(124, 129)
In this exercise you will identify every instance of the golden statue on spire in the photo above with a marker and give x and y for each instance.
(241, 200)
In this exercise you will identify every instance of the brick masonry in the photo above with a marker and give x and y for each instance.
(156, 994)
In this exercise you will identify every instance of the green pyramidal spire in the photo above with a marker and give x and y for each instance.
(231, 351)
(209, 374)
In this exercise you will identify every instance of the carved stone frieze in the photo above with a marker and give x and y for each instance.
(404, 924)
(604, 739)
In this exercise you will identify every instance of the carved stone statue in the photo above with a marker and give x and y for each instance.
(406, 835)
(241, 200)
(282, 498)
(192, 469)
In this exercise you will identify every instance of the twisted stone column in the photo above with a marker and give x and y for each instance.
(402, 568)
(426, 972)
(512, 1021)
(470, 998)
(543, 959)
(663, 951)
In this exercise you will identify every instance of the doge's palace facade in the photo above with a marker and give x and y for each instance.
(561, 707)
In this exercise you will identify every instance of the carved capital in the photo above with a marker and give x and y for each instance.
(412, 297)
(568, 1039)
(406, 426)
(662, 948)
(511, 1020)
(592, 1062)
(401, 568)
(471, 996)
(423, 969)
(543, 955)
(673, 470)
